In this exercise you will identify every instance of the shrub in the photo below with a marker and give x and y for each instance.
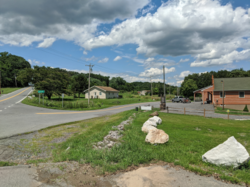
(99, 104)
(246, 109)
(191, 98)
(130, 96)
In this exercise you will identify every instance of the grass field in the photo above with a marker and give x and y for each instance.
(232, 111)
(190, 138)
(70, 103)
(9, 90)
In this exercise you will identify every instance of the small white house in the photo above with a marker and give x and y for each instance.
(101, 92)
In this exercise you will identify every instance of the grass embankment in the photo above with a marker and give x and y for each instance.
(70, 103)
(8, 90)
(232, 111)
(7, 164)
(190, 138)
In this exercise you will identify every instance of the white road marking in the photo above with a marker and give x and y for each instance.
(24, 97)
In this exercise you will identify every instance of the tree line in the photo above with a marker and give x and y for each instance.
(196, 81)
(56, 81)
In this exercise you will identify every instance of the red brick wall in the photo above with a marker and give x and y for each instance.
(232, 98)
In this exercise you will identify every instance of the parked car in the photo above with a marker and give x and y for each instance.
(181, 99)
(178, 99)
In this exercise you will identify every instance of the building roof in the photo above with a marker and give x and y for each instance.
(104, 88)
(202, 89)
(232, 84)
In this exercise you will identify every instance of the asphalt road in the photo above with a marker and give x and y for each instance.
(17, 118)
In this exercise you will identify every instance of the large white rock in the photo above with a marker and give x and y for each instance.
(155, 119)
(150, 123)
(146, 128)
(156, 136)
(229, 153)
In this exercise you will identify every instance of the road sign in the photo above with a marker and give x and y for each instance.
(62, 95)
(228, 110)
(41, 91)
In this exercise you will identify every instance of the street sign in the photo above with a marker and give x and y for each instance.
(41, 91)
(62, 95)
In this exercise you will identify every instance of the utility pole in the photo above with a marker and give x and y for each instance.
(90, 70)
(164, 82)
(0, 84)
(222, 93)
(151, 86)
(15, 80)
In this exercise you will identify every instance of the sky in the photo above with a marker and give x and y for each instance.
(131, 39)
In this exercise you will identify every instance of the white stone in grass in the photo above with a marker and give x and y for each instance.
(229, 153)
(150, 123)
(146, 128)
(155, 136)
(155, 119)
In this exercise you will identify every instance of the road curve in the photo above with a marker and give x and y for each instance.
(17, 118)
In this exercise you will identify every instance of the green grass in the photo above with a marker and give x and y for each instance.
(7, 164)
(185, 147)
(232, 111)
(70, 103)
(8, 90)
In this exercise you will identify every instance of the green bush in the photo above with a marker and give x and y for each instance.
(246, 109)
(99, 104)
(191, 98)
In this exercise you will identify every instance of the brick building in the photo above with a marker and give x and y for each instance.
(236, 92)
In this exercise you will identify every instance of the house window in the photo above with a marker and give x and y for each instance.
(221, 94)
(241, 94)
(100, 93)
(95, 93)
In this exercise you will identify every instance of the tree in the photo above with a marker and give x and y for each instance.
(52, 80)
(117, 83)
(10, 65)
(78, 84)
(188, 87)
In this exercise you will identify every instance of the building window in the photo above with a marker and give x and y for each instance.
(95, 93)
(100, 93)
(241, 94)
(221, 95)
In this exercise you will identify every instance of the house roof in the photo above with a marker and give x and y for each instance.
(202, 89)
(104, 88)
(232, 84)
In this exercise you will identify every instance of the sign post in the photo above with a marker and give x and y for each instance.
(62, 99)
(41, 91)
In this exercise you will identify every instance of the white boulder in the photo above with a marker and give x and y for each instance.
(156, 136)
(155, 119)
(150, 123)
(229, 153)
(146, 128)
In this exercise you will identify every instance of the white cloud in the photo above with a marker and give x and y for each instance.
(229, 58)
(35, 62)
(93, 58)
(148, 9)
(68, 20)
(117, 58)
(184, 60)
(85, 52)
(155, 72)
(179, 82)
(46, 42)
(205, 29)
(103, 60)
(184, 74)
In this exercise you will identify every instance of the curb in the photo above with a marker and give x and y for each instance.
(14, 167)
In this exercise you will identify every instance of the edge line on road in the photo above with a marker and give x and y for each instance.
(14, 95)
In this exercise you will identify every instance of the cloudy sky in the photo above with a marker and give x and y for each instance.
(128, 38)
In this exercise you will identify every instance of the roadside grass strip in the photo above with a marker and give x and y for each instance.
(79, 104)
(189, 138)
(14, 95)
(219, 110)
(7, 91)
